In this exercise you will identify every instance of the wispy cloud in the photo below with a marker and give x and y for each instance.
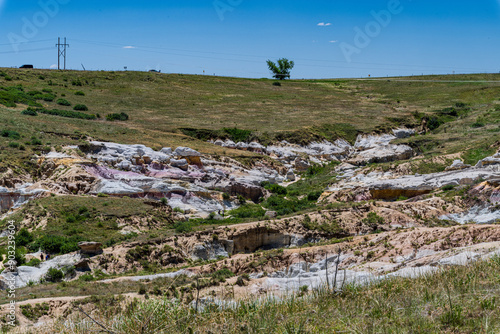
(332, 41)
(323, 24)
(53, 66)
(129, 47)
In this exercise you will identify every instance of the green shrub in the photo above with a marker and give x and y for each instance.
(248, 211)
(238, 135)
(35, 141)
(276, 189)
(276, 83)
(81, 107)
(314, 169)
(34, 312)
(448, 187)
(64, 113)
(54, 275)
(86, 278)
(226, 196)
(222, 274)
(241, 200)
(24, 237)
(286, 206)
(14, 145)
(10, 134)
(314, 196)
(63, 102)
(117, 117)
(478, 124)
(79, 93)
(18, 257)
(29, 112)
(56, 244)
(33, 262)
(48, 97)
(183, 227)
(373, 220)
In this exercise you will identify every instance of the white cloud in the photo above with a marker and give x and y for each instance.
(129, 47)
(332, 41)
(323, 24)
(54, 66)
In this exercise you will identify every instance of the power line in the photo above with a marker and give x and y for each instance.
(61, 52)
(30, 50)
(256, 56)
(29, 42)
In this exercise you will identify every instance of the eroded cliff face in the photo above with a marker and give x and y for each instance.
(14, 198)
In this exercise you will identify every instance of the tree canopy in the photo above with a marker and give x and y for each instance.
(281, 69)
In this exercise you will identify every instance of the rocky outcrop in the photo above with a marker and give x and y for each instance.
(211, 250)
(25, 274)
(386, 186)
(366, 142)
(493, 160)
(90, 248)
(13, 198)
(260, 238)
(457, 165)
(189, 155)
(247, 190)
(403, 133)
(382, 153)
(181, 164)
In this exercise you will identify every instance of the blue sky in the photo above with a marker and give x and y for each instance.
(326, 39)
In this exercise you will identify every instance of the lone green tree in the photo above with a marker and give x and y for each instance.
(281, 69)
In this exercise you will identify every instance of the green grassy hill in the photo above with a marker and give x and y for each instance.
(161, 105)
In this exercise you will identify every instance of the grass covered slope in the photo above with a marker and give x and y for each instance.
(462, 299)
(173, 110)
(60, 222)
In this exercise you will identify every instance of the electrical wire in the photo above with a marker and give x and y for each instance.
(143, 48)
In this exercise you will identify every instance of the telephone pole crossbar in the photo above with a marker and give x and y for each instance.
(61, 51)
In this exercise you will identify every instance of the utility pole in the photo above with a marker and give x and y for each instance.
(61, 52)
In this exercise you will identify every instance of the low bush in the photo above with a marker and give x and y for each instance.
(80, 107)
(448, 187)
(285, 206)
(222, 274)
(249, 211)
(117, 117)
(63, 102)
(29, 112)
(35, 141)
(373, 220)
(183, 227)
(10, 134)
(55, 244)
(86, 278)
(54, 275)
(24, 237)
(33, 262)
(63, 113)
(314, 196)
(275, 188)
(79, 93)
